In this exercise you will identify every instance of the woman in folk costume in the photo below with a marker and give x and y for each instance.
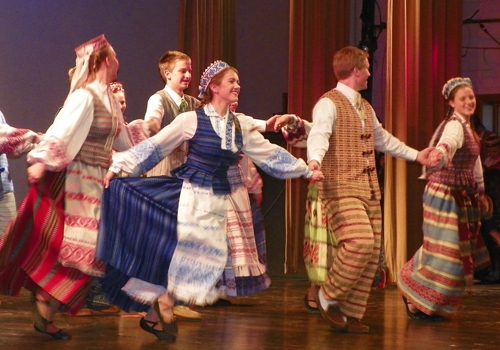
(49, 248)
(433, 282)
(194, 222)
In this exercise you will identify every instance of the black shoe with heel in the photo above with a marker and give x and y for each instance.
(419, 315)
(40, 323)
(59, 335)
(149, 326)
(311, 309)
(222, 303)
(169, 328)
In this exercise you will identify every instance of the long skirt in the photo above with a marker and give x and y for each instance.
(435, 279)
(30, 249)
(138, 238)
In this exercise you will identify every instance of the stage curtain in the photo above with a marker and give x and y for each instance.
(424, 39)
(317, 29)
(207, 32)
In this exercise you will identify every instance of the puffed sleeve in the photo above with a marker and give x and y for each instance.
(14, 141)
(451, 140)
(147, 154)
(271, 158)
(131, 134)
(66, 135)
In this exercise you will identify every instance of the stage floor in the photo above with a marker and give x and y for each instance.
(274, 319)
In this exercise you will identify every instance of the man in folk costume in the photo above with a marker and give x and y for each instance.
(163, 106)
(341, 143)
(166, 104)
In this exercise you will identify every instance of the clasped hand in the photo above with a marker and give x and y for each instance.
(277, 121)
(317, 176)
(430, 157)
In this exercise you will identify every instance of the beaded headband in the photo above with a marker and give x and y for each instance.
(209, 73)
(116, 86)
(453, 83)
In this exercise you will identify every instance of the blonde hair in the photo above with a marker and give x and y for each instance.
(96, 60)
(168, 61)
(71, 72)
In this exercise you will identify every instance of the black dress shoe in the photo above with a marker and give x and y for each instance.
(420, 316)
(40, 323)
(414, 315)
(222, 303)
(148, 326)
(169, 328)
(59, 335)
(311, 309)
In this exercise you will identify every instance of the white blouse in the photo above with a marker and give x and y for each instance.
(324, 118)
(70, 128)
(263, 153)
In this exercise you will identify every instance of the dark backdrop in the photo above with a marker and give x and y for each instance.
(37, 41)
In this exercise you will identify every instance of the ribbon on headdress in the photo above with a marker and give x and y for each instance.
(83, 53)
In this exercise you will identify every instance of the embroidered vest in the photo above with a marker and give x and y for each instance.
(208, 165)
(171, 110)
(349, 163)
(96, 150)
(178, 156)
(460, 171)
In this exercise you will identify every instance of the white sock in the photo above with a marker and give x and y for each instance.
(325, 303)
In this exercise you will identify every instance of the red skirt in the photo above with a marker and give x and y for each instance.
(30, 248)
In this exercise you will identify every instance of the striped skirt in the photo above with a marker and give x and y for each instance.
(30, 249)
(138, 238)
(7, 210)
(234, 286)
(138, 234)
(435, 279)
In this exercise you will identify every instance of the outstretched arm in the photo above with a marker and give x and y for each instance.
(147, 154)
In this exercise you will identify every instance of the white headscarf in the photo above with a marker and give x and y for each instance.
(83, 53)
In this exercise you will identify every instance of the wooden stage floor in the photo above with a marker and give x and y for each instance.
(272, 320)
